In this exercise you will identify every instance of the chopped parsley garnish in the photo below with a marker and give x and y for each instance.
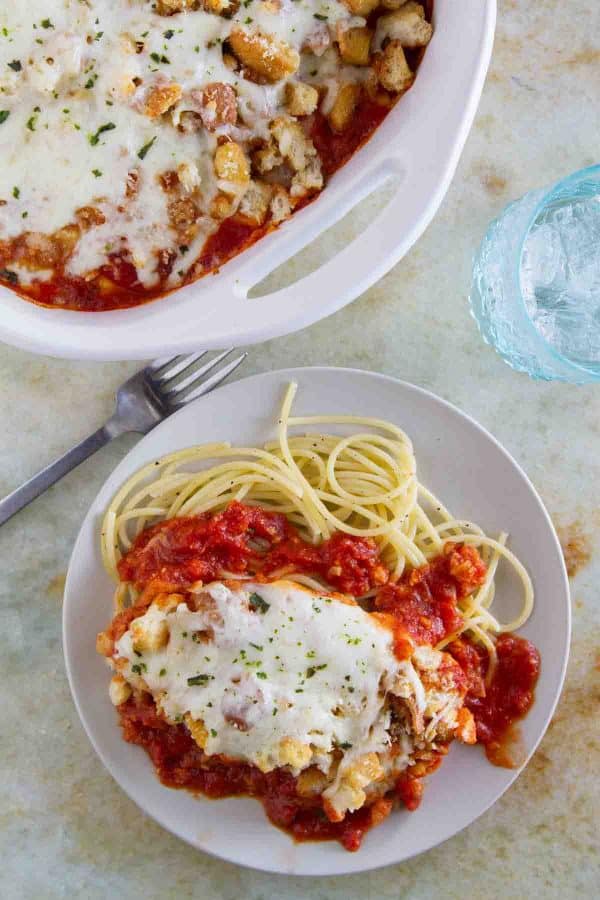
(146, 148)
(345, 746)
(213, 733)
(138, 668)
(256, 646)
(97, 173)
(312, 670)
(320, 17)
(169, 34)
(162, 672)
(262, 675)
(200, 679)
(32, 122)
(15, 65)
(160, 58)
(16, 193)
(258, 603)
(94, 139)
(46, 23)
(4, 114)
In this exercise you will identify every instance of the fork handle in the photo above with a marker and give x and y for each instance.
(23, 495)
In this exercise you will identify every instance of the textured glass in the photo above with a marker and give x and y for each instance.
(536, 281)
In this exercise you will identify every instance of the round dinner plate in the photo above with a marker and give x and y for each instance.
(471, 473)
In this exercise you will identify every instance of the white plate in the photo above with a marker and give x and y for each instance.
(415, 153)
(471, 473)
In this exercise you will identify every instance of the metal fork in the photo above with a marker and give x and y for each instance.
(143, 401)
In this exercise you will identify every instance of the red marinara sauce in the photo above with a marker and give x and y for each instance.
(425, 599)
(507, 699)
(180, 763)
(199, 548)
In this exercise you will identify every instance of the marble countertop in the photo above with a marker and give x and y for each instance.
(66, 829)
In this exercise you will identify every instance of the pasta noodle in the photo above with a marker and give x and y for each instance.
(361, 483)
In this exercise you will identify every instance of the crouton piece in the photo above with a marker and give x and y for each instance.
(219, 105)
(119, 690)
(221, 206)
(170, 7)
(183, 213)
(301, 99)
(254, 205)
(89, 216)
(190, 122)
(293, 144)
(361, 7)
(311, 782)
(161, 98)
(104, 644)
(224, 8)
(264, 54)
(231, 164)
(355, 46)
(266, 159)
(65, 240)
(189, 177)
(294, 753)
(309, 180)
(149, 634)
(349, 794)
(465, 729)
(197, 730)
(393, 72)
(281, 208)
(407, 25)
(168, 602)
(318, 39)
(344, 105)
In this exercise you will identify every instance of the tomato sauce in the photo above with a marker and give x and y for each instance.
(336, 148)
(507, 699)
(425, 599)
(245, 539)
(180, 763)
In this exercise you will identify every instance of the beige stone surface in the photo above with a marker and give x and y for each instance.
(66, 829)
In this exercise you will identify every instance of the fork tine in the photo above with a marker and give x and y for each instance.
(198, 373)
(210, 383)
(159, 364)
(184, 363)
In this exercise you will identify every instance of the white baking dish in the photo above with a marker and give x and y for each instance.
(416, 149)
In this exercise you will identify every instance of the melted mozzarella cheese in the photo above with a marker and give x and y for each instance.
(73, 77)
(311, 669)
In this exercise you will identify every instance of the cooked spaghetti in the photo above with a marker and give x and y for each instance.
(362, 483)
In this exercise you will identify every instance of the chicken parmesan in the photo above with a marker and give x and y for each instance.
(146, 142)
(307, 624)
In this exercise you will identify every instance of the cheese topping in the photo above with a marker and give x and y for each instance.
(77, 86)
(269, 663)
(130, 129)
